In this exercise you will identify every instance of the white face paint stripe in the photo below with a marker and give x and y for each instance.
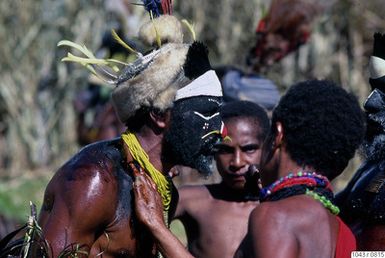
(206, 117)
(376, 67)
(207, 84)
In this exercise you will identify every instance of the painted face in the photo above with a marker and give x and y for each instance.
(374, 141)
(195, 127)
(233, 157)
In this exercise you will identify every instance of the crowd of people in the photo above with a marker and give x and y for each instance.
(276, 157)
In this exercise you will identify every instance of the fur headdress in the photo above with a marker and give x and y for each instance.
(153, 80)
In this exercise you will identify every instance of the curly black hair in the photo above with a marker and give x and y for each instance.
(246, 109)
(323, 125)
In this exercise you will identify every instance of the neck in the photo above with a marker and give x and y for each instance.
(288, 165)
(223, 192)
(151, 143)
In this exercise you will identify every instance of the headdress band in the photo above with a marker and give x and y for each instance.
(207, 84)
(376, 67)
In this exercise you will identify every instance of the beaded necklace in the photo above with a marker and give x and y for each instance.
(310, 183)
(163, 183)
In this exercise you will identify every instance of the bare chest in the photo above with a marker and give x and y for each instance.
(223, 214)
(221, 224)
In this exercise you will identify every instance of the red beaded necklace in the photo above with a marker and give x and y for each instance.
(309, 183)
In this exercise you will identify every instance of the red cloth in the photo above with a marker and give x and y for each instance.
(346, 242)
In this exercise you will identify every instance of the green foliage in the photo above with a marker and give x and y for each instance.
(15, 196)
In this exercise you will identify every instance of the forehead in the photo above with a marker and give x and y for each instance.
(199, 103)
(242, 129)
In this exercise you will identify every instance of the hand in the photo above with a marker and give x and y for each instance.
(149, 210)
(148, 203)
(252, 185)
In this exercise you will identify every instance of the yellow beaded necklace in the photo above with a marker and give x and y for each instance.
(164, 184)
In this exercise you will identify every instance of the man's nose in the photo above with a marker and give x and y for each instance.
(237, 161)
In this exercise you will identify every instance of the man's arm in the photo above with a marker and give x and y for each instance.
(149, 210)
(78, 203)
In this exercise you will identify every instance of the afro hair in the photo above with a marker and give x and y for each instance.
(323, 125)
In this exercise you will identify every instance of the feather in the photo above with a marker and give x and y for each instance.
(379, 45)
(82, 49)
(157, 36)
(105, 69)
(158, 7)
(166, 6)
(153, 6)
(91, 59)
(197, 61)
(190, 27)
(121, 42)
(83, 60)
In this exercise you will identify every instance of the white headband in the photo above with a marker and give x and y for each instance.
(376, 67)
(207, 84)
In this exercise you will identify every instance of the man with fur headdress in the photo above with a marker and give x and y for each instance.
(169, 100)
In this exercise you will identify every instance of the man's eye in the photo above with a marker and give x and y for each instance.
(250, 148)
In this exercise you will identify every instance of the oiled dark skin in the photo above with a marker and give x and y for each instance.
(89, 202)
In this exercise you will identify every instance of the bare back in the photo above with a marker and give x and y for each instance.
(214, 226)
(89, 202)
(297, 226)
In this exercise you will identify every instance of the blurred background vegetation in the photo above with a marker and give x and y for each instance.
(37, 117)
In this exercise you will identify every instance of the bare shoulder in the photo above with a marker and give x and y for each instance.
(269, 214)
(191, 198)
(294, 214)
(193, 192)
(99, 159)
(286, 213)
(84, 197)
(88, 176)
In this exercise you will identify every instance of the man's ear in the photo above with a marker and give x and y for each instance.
(160, 118)
(278, 141)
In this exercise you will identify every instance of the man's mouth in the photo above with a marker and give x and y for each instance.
(237, 177)
(242, 174)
